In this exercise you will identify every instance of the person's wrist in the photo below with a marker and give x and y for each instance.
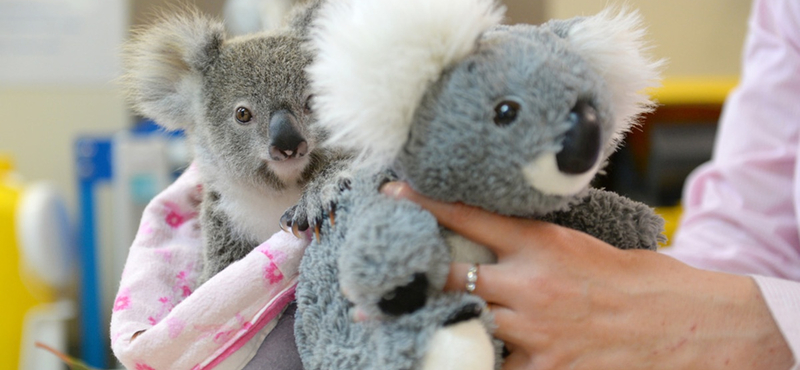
(731, 326)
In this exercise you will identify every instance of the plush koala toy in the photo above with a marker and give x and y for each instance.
(513, 119)
(244, 103)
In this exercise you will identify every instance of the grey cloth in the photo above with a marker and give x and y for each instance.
(278, 351)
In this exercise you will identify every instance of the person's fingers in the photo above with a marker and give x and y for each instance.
(515, 338)
(501, 234)
(490, 284)
(507, 322)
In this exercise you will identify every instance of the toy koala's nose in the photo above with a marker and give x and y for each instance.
(286, 140)
(582, 142)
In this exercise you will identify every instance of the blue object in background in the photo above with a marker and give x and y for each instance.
(95, 165)
(93, 159)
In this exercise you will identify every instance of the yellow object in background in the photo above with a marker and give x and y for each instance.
(694, 91)
(672, 216)
(20, 290)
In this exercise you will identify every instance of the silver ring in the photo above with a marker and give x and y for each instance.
(472, 278)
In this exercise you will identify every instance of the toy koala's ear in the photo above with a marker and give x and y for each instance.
(164, 64)
(613, 42)
(375, 60)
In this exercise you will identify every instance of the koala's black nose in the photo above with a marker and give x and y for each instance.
(286, 140)
(581, 146)
(407, 298)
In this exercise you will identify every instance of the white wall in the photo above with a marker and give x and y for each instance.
(58, 60)
(698, 37)
(38, 124)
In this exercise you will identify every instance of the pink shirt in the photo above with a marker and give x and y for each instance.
(740, 209)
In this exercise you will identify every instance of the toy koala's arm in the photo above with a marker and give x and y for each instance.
(614, 219)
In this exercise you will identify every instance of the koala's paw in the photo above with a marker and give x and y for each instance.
(317, 205)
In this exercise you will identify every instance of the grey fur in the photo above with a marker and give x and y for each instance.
(538, 69)
(456, 153)
(184, 73)
(374, 256)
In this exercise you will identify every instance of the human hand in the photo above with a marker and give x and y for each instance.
(563, 299)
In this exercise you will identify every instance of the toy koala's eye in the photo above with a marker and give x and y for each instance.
(506, 112)
(581, 145)
(307, 106)
(243, 115)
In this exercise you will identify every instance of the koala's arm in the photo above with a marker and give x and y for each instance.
(614, 219)
(327, 181)
(393, 256)
(222, 246)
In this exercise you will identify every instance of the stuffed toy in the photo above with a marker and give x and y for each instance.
(515, 119)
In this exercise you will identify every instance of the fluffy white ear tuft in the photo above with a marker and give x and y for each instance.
(375, 60)
(164, 63)
(613, 42)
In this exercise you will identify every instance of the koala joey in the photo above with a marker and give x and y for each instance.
(244, 104)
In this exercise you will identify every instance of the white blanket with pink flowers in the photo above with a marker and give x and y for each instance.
(161, 322)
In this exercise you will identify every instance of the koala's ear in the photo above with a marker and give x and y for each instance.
(375, 60)
(302, 16)
(613, 43)
(164, 66)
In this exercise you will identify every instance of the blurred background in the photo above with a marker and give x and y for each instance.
(76, 167)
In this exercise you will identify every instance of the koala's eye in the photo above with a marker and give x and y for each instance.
(581, 145)
(506, 112)
(243, 115)
(307, 106)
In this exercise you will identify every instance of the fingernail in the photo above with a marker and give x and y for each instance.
(392, 189)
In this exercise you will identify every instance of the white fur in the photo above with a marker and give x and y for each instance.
(255, 212)
(467, 251)
(376, 59)
(462, 346)
(613, 42)
(543, 174)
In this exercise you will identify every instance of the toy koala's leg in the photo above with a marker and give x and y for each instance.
(463, 341)
(614, 219)
(450, 332)
(220, 246)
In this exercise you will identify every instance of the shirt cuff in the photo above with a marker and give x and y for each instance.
(783, 299)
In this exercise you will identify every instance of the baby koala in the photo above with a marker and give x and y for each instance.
(244, 105)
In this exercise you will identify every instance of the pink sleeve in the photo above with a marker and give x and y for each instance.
(186, 329)
(740, 209)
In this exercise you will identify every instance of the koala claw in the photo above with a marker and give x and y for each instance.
(286, 219)
(317, 225)
(332, 214)
(284, 225)
(344, 184)
(296, 231)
